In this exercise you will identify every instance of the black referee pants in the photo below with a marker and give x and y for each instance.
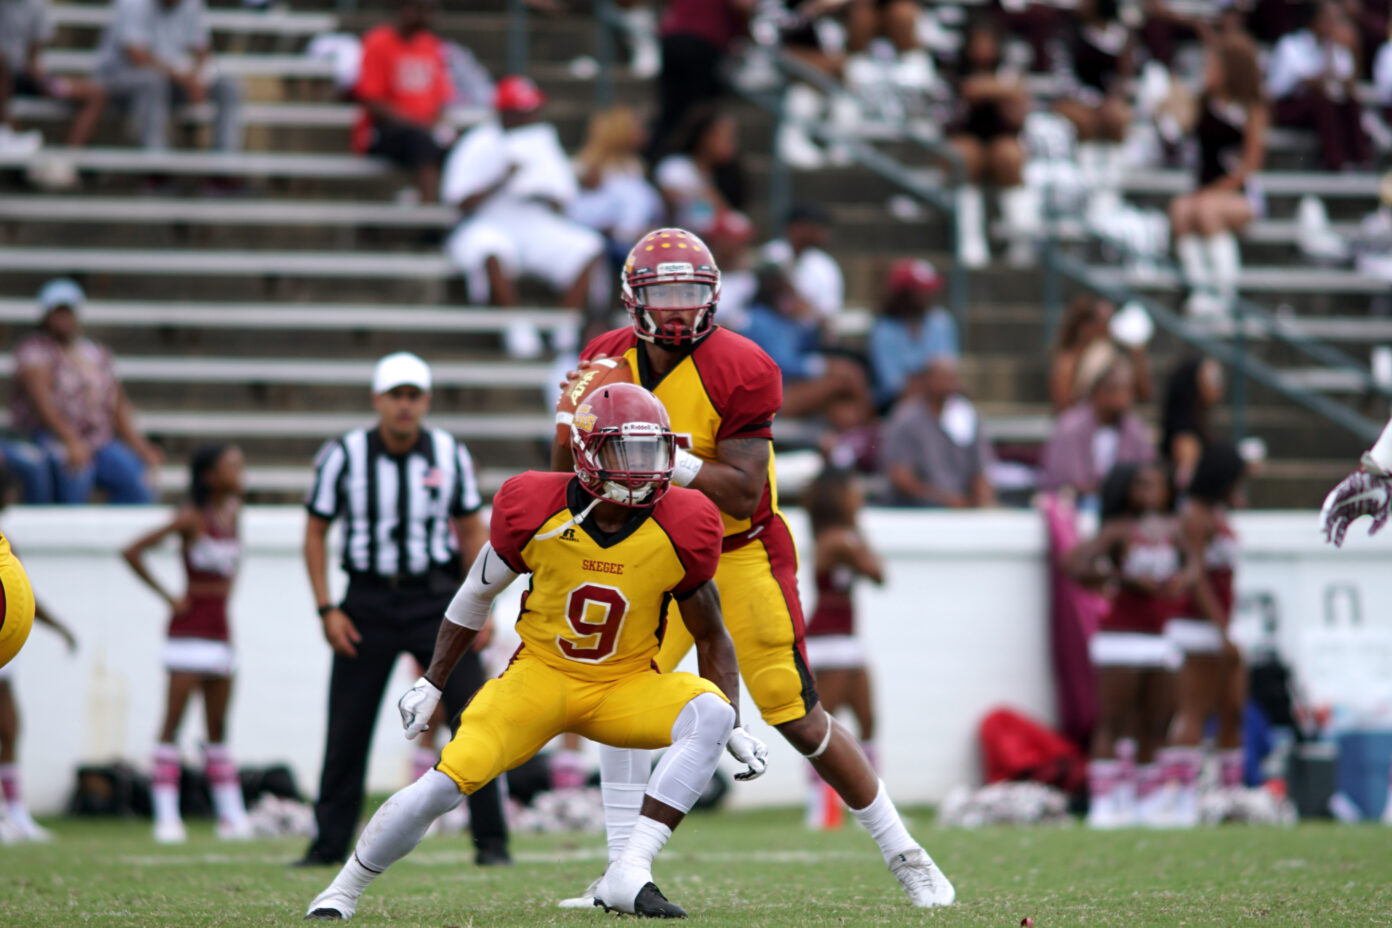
(390, 621)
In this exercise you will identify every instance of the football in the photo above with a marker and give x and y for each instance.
(599, 372)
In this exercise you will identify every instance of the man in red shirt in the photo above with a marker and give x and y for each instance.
(403, 87)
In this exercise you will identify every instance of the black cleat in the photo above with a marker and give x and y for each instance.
(313, 858)
(650, 903)
(325, 915)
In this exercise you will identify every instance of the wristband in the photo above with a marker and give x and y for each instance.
(325, 610)
(685, 468)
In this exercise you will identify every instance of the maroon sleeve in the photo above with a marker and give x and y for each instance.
(609, 345)
(747, 389)
(520, 507)
(693, 523)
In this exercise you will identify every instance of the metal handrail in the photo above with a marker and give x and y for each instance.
(790, 68)
(1234, 355)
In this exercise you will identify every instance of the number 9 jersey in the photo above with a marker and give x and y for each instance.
(597, 603)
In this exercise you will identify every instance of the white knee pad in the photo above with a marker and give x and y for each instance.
(698, 739)
(400, 823)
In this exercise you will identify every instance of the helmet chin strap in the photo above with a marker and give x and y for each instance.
(573, 521)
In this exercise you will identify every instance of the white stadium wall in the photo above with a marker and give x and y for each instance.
(960, 627)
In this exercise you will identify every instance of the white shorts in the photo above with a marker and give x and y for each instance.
(1194, 636)
(835, 652)
(1133, 649)
(527, 239)
(199, 655)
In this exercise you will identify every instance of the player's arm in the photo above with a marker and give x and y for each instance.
(184, 524)
(466, 614)
(1366, 492)
(715, 652)
(735, 480)
(715, 660)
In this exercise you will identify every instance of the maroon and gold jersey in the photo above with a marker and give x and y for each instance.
(726, 387)
(597, 603)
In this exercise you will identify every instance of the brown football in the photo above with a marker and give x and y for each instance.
(599, 372)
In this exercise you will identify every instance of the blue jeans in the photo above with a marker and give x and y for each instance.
(114, 467)
(32, 466)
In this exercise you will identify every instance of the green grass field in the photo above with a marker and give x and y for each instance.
(730, 869)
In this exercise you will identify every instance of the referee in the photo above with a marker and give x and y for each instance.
(405, 493)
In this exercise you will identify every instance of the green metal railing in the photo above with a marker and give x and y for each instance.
(1248, 318)
(779, 192)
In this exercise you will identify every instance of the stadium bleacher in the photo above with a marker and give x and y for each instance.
(317, 255)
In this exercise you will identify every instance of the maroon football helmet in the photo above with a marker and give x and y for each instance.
(668, 274)
(623, 445)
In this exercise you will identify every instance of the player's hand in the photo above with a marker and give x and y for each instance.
(749, 751)
(1360, 494)
(341, 633)
(580, 368)
(417, 706)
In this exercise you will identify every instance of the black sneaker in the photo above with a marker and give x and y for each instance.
(650, 903)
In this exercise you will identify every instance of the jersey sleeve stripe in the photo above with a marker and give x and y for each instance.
(324, 497)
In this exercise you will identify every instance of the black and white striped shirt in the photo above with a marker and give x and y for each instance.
(396, 508)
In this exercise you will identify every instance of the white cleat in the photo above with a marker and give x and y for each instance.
(583, 901)
(170, 832)
(332, 905)
(925, 884)
(633, 892)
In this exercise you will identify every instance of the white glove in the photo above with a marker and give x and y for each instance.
(1360, 494)
(749, 751)
(417, 706)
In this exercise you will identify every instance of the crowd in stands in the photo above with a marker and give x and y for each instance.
(897, 409)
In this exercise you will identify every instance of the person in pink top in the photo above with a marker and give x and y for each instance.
(198, 654)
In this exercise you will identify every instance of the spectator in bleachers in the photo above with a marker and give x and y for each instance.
(1231, 130)
(1194, 389)
(801, 252)
(1084, 346)
(789, 328)
(25, 27)
(404, 86)
(991, 110)
(694, 179)
(696, 35)
(909, 331)
(1093, 437)
(615, 197)
(512, 182)
(1096, 60)
(935, 453)
(1311, 79)
(156, 55)
(896, 21)
(729, 242)
(69, 402)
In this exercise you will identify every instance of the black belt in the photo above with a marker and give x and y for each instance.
(442, 577)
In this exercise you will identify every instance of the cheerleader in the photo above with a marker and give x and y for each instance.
(835, 653)
(198, 654)
(1138, 552)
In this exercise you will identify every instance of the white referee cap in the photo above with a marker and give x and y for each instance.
(400, 369)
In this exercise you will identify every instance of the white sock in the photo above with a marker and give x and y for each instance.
(1226, 259)
(226, 785)
(648, 838)
(1193, 261)
(623, 779)
(166, 802)
(698, 741)
(881, 819)
(398, 826)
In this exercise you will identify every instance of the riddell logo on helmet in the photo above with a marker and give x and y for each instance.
(584, 418)
(674, 267)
